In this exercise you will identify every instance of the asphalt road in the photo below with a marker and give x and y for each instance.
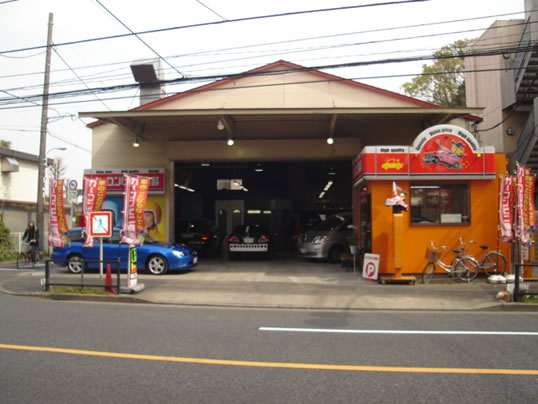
(69, 351)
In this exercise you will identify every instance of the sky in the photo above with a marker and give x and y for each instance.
(200, 40)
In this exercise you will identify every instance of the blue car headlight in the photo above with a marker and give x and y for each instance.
(179, 254)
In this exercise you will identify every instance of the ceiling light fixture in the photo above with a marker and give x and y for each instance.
(258, 168)
(220, 125)
(330, 140)
(230, 142)
(183, 187)
(136, 143)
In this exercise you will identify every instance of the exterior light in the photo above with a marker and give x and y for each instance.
(330, 140)
(220, 125)
(136, 143)
(230, 142)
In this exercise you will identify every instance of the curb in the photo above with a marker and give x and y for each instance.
(499, 307)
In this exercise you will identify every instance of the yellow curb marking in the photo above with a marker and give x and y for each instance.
(205, 361)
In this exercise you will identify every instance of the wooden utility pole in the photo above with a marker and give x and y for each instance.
(42, 161)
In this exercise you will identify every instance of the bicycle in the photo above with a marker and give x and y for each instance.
(491, 262)
(28, 258)
(463, 267)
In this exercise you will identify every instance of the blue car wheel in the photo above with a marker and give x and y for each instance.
(75, 263)
(157, 265)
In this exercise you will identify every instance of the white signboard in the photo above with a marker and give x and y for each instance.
(370, 266)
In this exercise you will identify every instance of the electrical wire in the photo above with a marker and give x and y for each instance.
(138, 37)
(78, 77)
(253, 18)
(210, 9)
(215, 51)
(503, 50)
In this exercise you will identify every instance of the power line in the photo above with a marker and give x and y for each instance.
(138, 37)
(295, 40)
(479, 53)
(210, 9)
(324, 48)
(220, 22)
(198, 90)
(78, 77)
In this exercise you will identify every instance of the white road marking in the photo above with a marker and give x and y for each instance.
(411, 332)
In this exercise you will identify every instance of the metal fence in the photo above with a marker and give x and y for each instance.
(82, 284)
(531, 285)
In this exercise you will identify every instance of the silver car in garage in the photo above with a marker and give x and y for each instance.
(327, 240)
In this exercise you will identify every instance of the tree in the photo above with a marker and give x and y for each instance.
(6, 244)
(6, 144)
(57, 169)
(443, 82)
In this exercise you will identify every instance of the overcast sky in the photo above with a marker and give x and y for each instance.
(201, 43)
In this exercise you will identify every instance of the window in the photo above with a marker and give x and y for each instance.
(440, 204)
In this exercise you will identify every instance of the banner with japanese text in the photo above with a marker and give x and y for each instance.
(94, 196)
(530, 216)
(58, 228)
(136, 191)
(506, 216)
(525, 205)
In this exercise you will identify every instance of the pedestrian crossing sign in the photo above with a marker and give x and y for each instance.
(101, 224)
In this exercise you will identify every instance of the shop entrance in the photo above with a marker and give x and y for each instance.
(285, 197)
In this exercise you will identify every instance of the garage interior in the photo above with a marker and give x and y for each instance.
(286, 197)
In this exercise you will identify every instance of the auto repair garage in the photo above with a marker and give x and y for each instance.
(285, 197)
(273, 145)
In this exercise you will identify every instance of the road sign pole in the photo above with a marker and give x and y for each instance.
(101, 256)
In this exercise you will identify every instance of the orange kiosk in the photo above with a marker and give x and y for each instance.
(450, 186)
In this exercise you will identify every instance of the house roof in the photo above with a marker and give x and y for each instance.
(280, 91)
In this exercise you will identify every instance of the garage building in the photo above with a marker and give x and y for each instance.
(272, 145)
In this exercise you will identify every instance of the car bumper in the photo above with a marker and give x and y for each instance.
(316, 251)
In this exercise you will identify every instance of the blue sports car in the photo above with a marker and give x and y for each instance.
(155, 257)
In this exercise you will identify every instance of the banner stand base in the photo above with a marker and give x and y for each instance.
(139, 287)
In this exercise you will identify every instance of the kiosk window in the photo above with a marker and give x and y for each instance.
(440, 204)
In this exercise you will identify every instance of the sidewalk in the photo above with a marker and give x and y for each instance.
(300, 285)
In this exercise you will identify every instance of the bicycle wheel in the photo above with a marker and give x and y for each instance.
(427, 274)
(493, 263)
(466, 269)
(22, 261)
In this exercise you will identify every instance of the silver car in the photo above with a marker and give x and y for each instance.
(327, 240)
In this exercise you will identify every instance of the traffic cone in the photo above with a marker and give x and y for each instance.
(108, 281)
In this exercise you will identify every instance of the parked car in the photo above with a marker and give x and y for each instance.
(157, 258)
(200, 234)
(250, 240)
(328, 240)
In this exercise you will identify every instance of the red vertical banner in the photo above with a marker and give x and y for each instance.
(530, 217)
(506, 217)
(94, 195)
(520, 203)
(58, 228)
(134, 203)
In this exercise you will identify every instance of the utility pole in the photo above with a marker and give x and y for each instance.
(42, 160)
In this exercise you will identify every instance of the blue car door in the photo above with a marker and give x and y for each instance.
(112, 249)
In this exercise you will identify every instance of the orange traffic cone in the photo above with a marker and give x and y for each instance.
(108, 281)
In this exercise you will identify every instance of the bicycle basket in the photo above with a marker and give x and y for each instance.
(432, 255)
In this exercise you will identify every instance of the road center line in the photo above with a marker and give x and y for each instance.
(431, 332)
(282, 365)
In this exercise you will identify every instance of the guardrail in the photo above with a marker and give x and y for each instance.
(82, 284)
(517, 290)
